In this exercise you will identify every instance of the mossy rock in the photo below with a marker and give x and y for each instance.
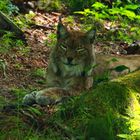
(111, 111)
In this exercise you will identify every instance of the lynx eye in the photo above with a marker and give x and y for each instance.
(64, 47)
(80, 50)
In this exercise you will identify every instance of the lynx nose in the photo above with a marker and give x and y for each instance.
(69, 59)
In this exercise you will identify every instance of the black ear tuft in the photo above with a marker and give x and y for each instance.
(62, 31)
(90, 35)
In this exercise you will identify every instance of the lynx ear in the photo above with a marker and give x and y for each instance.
(62, 31)
(90, 35)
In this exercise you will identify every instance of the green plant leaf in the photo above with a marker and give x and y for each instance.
(125, 136)
(98, 5)
(39, 72)
(121, 68)
(114, 60)
(35, 111)
(138, 17)
(132, 6)
(128, 13)
(114, 11)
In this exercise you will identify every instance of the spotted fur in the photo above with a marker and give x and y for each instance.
(70, 66)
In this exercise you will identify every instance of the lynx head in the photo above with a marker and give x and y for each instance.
(73, 52)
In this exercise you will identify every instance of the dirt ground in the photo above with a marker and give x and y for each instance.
(20, 65)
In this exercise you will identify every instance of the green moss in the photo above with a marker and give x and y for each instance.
(111, 111)
(105, 112)
(54, 5)
(132, 80)
(2, 101)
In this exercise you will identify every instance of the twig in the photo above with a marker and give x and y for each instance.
(42, 26)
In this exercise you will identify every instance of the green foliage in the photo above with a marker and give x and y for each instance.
(34, 111)
(29, 17)
(101, 11)
(2, 101)
(23, 21)
(49, 5)
(40, 75)
(51, 40)
(19, 93)
(132, 119)
(16, 128)
(76, 5)
(124, 20)
(8, 41)
(121, 68)
(7, 7)
(70, 20)
(112, 110)
(92, 115)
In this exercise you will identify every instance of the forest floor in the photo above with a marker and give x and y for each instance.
(23, 69)
(25, 66)
(22, 62)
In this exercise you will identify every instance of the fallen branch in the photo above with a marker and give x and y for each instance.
(7, 25)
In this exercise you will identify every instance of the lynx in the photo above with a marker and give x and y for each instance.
(70, 67)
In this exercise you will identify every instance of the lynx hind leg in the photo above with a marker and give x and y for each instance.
(44, 97)
(89, 82)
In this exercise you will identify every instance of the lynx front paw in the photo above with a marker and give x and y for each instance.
(30, 99)
(44, 97)
(49, 96)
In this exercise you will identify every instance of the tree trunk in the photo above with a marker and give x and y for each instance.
(7, 25)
